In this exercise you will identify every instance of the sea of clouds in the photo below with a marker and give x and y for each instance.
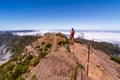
(100, 36)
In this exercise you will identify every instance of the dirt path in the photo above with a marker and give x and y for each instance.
(54, 44)
(99, 69)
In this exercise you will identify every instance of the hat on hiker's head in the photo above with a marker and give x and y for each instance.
(72, 29)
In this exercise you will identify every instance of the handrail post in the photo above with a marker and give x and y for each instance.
(89, 46)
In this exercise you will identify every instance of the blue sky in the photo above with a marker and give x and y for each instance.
(59, 14)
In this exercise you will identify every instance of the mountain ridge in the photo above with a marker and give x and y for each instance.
(51, 58)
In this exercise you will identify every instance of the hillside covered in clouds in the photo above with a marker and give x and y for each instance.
(11, 45)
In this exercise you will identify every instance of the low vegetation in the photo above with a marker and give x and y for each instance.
(43, 43)
(61, 35)
(13, 72)
(35, 61)
(49, 45)
(33, 77)
(61, 43)
(74, 72)
(81, 66)
(43, 51)
(21, 42)
(28, 60)
(43, 54)
(15, 68)
(116, 59)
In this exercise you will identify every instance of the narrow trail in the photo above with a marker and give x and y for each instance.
(83, 72)
(98, 69)
(54, 44)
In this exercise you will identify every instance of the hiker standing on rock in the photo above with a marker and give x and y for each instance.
(72, 36)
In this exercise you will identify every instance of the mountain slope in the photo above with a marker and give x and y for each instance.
(51, 58)
(101, 67)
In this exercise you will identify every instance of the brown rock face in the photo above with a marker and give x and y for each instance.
(57, 66)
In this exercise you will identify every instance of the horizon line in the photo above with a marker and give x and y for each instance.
(57, 29)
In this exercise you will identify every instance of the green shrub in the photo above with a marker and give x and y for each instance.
(40, 49)
(49, 45)
(61, 35)
(74, 73)
(62, 43)
(81, 66)
(33, 77)
(7, 77)
(30, 57)
(14, 59)
(46, 49)
(20, 78)
(19, 70)
(38, 46)
(116, 59)
(7, 68)
(10, 67)
(43, 43)
(43, 54)
(28, 60)
(35, 61)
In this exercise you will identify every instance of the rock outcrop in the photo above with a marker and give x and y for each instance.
(60, 64)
